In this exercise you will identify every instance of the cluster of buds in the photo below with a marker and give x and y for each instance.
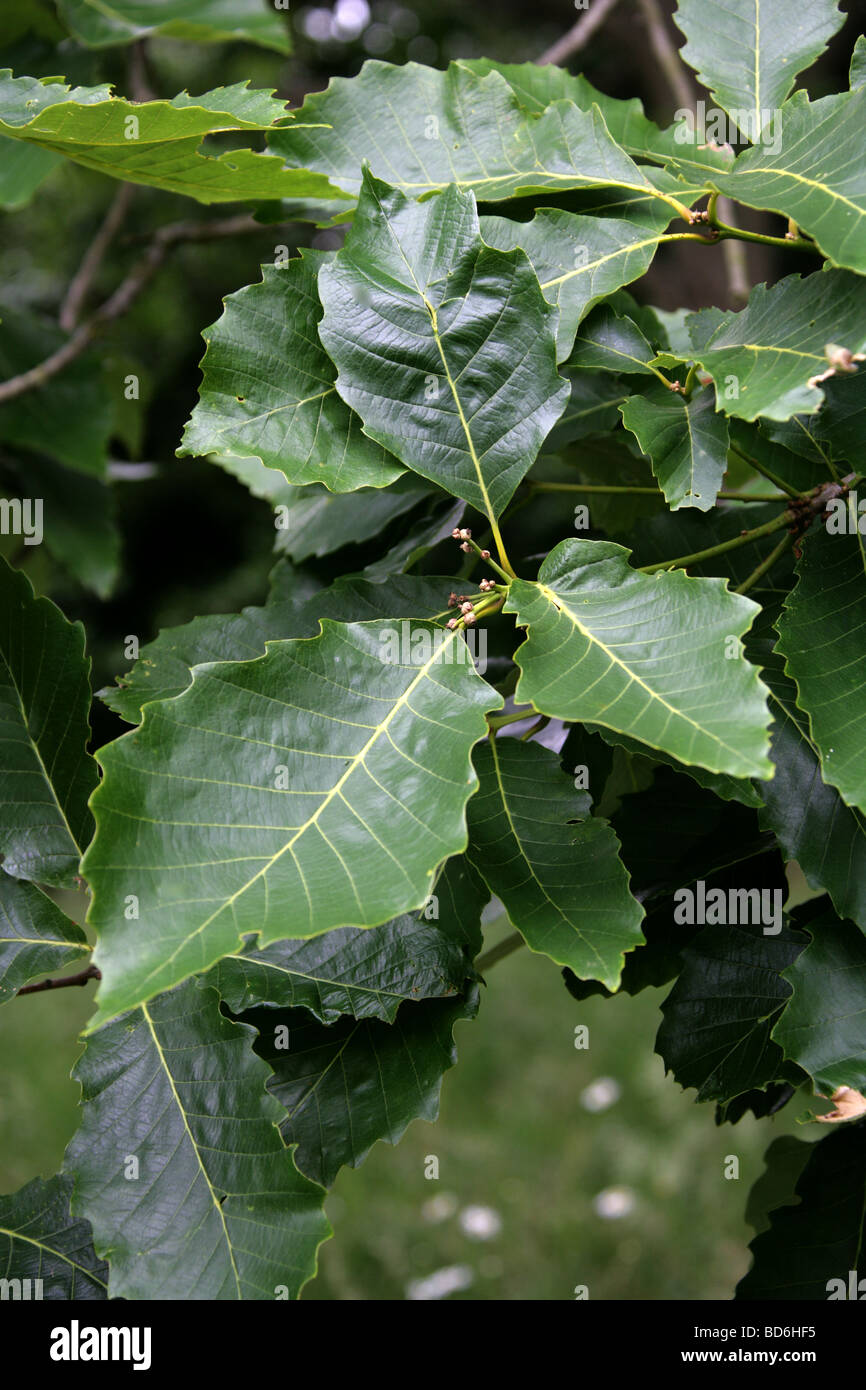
(467, 612)
(486, 585)
(462, 533)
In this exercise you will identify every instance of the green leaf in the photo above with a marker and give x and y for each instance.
(790, 449)
(367, 974)
(757, 1103)
(71, 418)
(39, 1239)
(268, 388)
(214, 1207)
(819, 635)
(688, 531)
(578, 260)
(749, 52)
(335, 806)
(22, 170)
(719, 1015)
(762, 358)
(784, 1161)
(858, 64)
(822, 1026)
(320, 522)
(721, 783)
(79, 519)
(676, 832)
(813, 174)
(101, 23)
(686, 442)
(592, 409)
(443, 346)
(537, 86)
(422, 130)
(47, 773)
(842, 420)
(35, 936)
(811, 821)
(821, 1238)
(556, 868)
(157, 142)
(610, 343)
(163, 668)
(360, 1080)
(422, 536)
(642, 655)
(662, 959)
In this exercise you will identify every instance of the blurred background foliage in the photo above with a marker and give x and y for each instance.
(558, 1167)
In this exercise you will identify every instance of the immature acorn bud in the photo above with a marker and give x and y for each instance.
(455, 534)
(452, 623)
(486, 585)
(452, 600)
(468, 619)
(466, 608)
(466, 546)
(485, 554)
(465, 534)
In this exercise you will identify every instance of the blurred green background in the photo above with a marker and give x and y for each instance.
(631, 1199)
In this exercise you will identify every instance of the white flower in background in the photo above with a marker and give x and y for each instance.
(440, 1284)
(614, 1202)
(600, 1094)
(480, 1223)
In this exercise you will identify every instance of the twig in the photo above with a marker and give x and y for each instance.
(734, 256)
(763, 470)
(767, 563)
(666, 54)
(93, 257)
(579, 34)
(124, 297)
(140, 88)
(90, 973)
(499, 952)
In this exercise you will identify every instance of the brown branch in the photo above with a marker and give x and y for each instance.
(140, 85)
(734, 256)
(65, 981)
(579, 34)
(93, 257)
(667, 54)
(124, 296)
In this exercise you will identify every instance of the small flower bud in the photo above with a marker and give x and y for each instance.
(465, 534)
(466, 608)
(455, 534)
(466, 546)
(469, 619)
(452, 623)
(452, 600)
(485, 554)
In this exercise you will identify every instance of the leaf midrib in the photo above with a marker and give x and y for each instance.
(182, 1112)
(560, 604)
(355, 762)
